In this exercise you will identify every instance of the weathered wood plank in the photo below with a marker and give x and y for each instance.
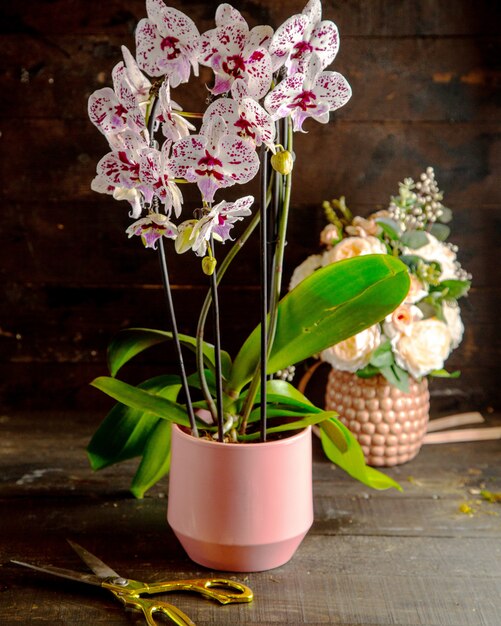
(354, 17)
(40, 234)
(366, 157)
(453, 79)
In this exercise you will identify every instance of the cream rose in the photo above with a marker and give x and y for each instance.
(452, 314)
(305, 269)
(352, 247)
(424, 348)
(401, 321)
(362, 227)
(353, 353)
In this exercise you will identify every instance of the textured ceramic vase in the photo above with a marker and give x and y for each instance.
(388, 423)
(240, 507)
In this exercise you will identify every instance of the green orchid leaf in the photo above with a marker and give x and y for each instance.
(414, 239)
(332, 304)
(342, 448)
(132, 341)
(143, 400)
(124, 431)
(155, 463)
(306, 420)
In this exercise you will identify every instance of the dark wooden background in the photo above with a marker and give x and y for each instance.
(425, 77)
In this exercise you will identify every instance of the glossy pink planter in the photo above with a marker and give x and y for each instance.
(240, 507)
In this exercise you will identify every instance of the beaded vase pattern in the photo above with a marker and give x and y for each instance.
(388, 423)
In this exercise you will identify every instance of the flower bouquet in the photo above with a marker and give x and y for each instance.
(266, 86)
(414, 341)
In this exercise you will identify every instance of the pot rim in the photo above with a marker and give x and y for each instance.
(242, 445)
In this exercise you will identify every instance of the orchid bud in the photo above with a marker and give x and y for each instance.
(208, 265)
(282, 162)
(183, 240)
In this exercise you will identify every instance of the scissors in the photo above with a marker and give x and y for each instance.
(129, 591)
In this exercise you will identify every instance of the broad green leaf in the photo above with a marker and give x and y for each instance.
(414, 239)
(332, 304)
(142, 400)
(156, 459)
(125, 430)
(440, 231)
(341, 447)
(132, 341)
(306, 420)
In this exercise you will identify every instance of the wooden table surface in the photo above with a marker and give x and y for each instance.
(370, 558)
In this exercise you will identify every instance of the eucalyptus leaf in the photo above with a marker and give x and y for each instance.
(396, 376)
(334, 303)
(341, 447)
(452, 289)
(382, 356)
(155, 463)
(390, 227)
(132, 341)
(440, 231)
(442, 373)
(368, 371)
(414, 239)
(446, 216)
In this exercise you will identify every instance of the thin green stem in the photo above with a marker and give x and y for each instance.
(204, 311)
(276, 287)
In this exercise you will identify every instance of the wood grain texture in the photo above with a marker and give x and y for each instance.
(382, 558)
(426, 92)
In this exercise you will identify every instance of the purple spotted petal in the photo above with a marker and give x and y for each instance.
(313, 10)
(333, 88)
(259, 71)
(286, 36)
(325, 42)
(186, 153)
(260, 37)
(226, 14)
(240, 160)
(106, 112)
(139, 83)
(278, 100)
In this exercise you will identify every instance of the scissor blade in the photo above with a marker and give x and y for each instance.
(96, 565)
(89, 579)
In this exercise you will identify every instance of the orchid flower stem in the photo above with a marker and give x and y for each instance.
(264, 290)
(217, 354)
(175, 336)
(150, 116)
(276, 285)
(234, 250)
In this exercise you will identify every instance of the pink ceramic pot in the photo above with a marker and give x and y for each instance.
(240, 507)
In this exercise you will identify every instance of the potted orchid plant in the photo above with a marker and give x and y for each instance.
(266, 85)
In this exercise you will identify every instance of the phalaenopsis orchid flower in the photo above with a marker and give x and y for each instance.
(301, 36)
(152, 228)
(215, 159)
(235, 52)
(167, 43)
(312, 94)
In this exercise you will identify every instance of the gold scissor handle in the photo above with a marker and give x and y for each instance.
(223, 590)
(150, 607)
